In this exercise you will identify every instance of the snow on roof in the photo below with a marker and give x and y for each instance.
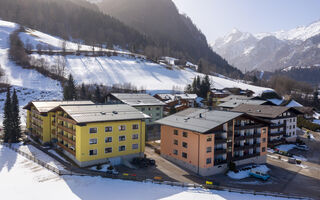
(293, 103)
(276, 101)
(138, 99)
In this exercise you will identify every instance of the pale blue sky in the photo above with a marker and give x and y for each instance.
(218, 17)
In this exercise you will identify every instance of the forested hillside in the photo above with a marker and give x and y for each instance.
(175, 34)
(167, 34)
(69, 20)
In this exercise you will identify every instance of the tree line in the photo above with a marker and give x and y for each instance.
(93, 92)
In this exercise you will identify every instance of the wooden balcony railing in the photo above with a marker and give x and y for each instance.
(67, 120)
(67, 149)
(69, 130)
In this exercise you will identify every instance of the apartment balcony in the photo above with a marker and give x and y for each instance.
(53, 123)
(247, 126)
(279, 133)
(54, 132)
(67, 139)
(239, 137)
(67, 149)
(66, 120)
(278, 125)
(238, 147)
(257, 135)
(220, 151)
(66, 129)
(220, 140)
(248, 135)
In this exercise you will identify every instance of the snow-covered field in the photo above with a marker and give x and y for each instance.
(23, 179)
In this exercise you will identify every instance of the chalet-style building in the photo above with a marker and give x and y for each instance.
(283, 120)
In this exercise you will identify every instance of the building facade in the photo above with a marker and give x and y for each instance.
(283, 120)
(206, 141)
(145, 103)
(95, 134)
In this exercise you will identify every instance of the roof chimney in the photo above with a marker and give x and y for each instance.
(200, 115)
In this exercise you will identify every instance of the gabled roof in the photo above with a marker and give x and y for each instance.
(46, 106)
(199, 120)
(264, 111)
(237, 102)
(138, 99)
(102, 113)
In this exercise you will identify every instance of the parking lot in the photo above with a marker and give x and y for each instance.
(290, 179)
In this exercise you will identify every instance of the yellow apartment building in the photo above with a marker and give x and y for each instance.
(92, 134)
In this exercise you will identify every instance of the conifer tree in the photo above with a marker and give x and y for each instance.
(83, 93)
(7, 118)
(69, 90)
(16, 129)
(97, 95)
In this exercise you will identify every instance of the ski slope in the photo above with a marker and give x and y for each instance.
(22, 179)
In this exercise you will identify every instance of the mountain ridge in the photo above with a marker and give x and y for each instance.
(271, 51)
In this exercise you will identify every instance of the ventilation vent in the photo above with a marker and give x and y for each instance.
(115, 112)
(102, 113)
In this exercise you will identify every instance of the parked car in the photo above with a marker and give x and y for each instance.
(257, 174)
(143, 162)
(302, 147)
(113, 172)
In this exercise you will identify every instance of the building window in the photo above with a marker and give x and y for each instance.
(264, 140)
(108, 150)
(149, 108)
(175, 152)
(108, 129)
(209, 139)
(184, 155)
(208, 161)
(158, 108)
(93, 152)
(142, 109)
(175, 142)
(263, 149)
(93, 130)
(264, 131)
(209, 149)
(135, 146)
(122, 127)
(175, 132)
(108, 139)
(294, 119)
(135, 126)
(135, 136)
(294, 126)
(122, 148)
(185, 145)
(185, 134)
(158, 114)
(122, 138)
(93, 141)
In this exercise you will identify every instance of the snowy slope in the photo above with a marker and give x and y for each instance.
(23, 179)
(124, 69)
(17, 76)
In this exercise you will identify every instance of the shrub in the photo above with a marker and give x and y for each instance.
(99, 167)
(232, 166)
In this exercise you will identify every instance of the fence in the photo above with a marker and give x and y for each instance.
(156, 180)
(35, 160)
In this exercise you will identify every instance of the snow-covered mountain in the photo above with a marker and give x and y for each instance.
(271, 51)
